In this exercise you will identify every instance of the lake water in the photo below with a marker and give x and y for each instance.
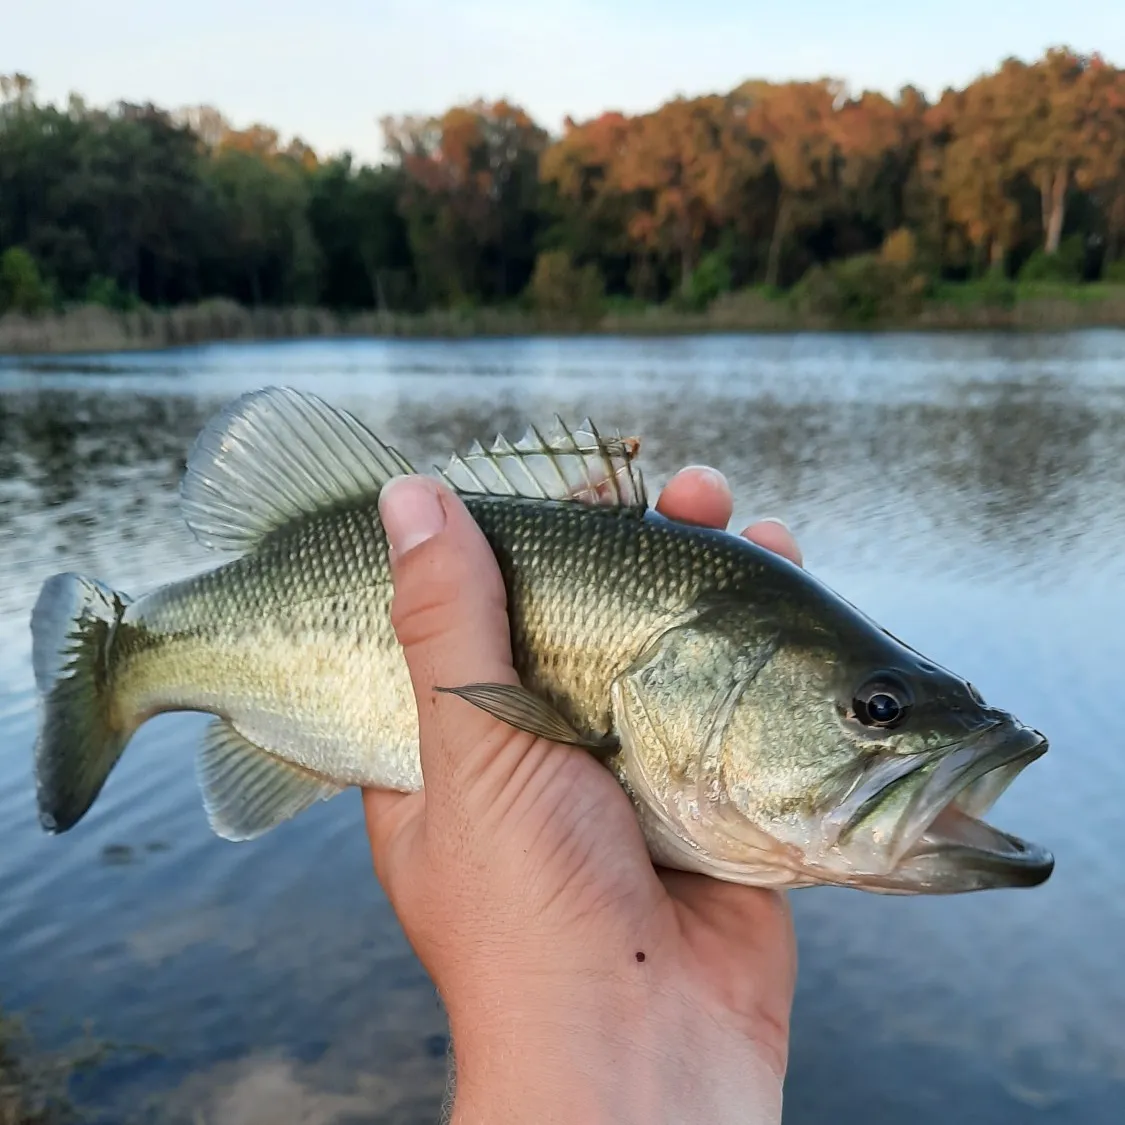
(968, 491)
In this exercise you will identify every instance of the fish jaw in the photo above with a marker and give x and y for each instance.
(912, 824)
(937, 842)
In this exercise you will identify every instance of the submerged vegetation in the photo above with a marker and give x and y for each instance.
(36, 1084)
(33, 1086)
(773, 205)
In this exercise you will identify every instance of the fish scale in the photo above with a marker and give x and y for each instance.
(766, 731)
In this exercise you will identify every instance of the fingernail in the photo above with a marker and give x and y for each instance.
(411, 511)
(780, 523)
(707, 471)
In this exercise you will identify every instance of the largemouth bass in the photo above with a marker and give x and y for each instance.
(766, 730)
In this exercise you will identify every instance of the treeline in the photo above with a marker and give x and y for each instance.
(863, 198)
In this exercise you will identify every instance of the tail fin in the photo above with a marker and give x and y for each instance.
(72, 628)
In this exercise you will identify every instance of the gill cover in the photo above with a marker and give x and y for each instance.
(671, 710)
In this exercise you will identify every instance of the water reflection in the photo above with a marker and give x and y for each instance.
(994, 466)
(969, 491)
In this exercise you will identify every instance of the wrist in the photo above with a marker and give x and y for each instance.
(626, 1057)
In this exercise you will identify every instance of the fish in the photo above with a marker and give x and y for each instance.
(766, 731)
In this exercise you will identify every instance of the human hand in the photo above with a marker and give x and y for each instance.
(581, 984)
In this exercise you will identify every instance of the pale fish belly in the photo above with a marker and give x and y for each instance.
(336, 701)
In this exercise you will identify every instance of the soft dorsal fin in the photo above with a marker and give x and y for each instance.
(274, 455)
(572, 464)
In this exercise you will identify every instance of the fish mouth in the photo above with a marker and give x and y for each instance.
(940, 844)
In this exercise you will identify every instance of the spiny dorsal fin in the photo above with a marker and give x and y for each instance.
(572, 464)
(272, 456)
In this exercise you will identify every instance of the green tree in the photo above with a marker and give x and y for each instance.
(22, 289)
(1024, 168)
(559, 286)
(270, 253)
(471, 198)
(355, 218)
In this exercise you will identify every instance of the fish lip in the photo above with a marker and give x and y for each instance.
(963, 786)
(1020, 862)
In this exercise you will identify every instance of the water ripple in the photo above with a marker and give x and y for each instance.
(967, 490)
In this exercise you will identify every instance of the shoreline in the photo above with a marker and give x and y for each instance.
(90, 329)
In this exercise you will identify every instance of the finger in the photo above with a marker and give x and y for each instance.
(775, 536)
(450, 616)
(698, 495)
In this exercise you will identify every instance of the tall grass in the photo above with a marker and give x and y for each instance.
(1006, 305)
(1025, 305)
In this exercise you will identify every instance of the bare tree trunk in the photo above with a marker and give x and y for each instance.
(781, 222)
(643, 276)
(1044, 183)
(502, 270)
(381, 301)
(1060, 184)
(1115, 221)
(373, 280)
(687, 260)
(996, 256)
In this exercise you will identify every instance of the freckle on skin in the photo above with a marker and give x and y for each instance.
(640, 955)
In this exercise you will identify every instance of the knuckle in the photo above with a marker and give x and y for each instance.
(439, 590)
(424, 611)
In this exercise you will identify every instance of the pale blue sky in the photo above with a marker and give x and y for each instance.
(326, 70)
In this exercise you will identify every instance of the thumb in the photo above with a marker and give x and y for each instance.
(450, 616)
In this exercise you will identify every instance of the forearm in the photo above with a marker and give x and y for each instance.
(670, 1067)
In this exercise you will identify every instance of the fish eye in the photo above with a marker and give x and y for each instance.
(882, 702)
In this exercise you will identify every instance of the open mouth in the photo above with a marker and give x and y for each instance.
(942, 827)
(914, 824)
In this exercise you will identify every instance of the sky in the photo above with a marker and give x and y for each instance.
(327, 71)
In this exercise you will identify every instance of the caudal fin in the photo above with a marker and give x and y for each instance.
(80, 739)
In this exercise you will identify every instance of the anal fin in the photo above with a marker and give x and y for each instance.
(247, 790)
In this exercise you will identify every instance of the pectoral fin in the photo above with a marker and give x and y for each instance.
(519, 708)
(247, 790)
